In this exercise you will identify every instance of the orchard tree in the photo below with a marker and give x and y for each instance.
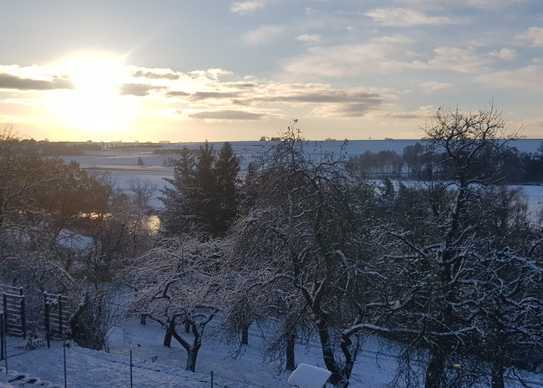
(180, 283)
(308, 229)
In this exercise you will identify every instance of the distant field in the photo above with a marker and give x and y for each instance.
(123, 166)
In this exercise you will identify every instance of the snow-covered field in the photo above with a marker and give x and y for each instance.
(123, 166)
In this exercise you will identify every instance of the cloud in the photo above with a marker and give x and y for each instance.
(404, 17)
(198, 96)
(309, 38)
(527, 77)
(327, 96)
(9, 81)
(434, 87)
(456, 59)
(156, 75)
(352, 59)
(139, 90)
(480, 4)
(533, 36)
(227, 115)
(421, 113)
(505, 54)
(241, 85)
(263, 35)
(177, 93)
(385, 55)
(248, 6)
(347, 110)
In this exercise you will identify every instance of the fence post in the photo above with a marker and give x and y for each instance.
(64, 346)
(23, 314)
(5, 303)
(131, 379)
(212, 382)
(60, 316)
(5, 347)
(47, 323)
(1, 336)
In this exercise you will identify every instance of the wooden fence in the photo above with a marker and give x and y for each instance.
(12, 305)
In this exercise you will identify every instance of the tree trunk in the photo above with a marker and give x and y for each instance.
(337, 379)
(245, 335)
(187, 327)
(192, 355)
(169, 334)
(497, 375)
(435, 371)
(290, 353)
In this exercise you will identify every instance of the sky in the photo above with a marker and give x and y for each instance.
(189, 70)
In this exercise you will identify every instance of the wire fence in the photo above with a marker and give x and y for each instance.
(128, 370)
(66, 362)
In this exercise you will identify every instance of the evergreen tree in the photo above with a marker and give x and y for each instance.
(204, 203)
(204, 192)
(176, 217)
(249, 191)
(226, 172)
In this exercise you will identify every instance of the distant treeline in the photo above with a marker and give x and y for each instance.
(422, 162)
(46, 148)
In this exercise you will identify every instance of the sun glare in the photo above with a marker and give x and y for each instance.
(95, 105)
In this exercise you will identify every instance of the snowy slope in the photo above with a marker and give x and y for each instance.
(157, 366)
(88, 368)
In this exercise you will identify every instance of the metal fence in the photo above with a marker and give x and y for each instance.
(56, 317)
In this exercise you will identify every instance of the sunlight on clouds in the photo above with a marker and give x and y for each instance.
(95, 105)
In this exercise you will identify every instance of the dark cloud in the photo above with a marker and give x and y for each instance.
(177, 93)
(415, 115)
(355, 110)
(327, 97)
(198, 96)
(139, 90)
(9, 81)
(227, 115)
(153, 75)
(241, 85)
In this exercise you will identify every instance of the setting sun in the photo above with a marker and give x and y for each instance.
(95, 104)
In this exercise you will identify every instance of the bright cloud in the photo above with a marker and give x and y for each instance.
(533, 36)
(309, 38)
(263, 35)
(434, 87)
(404, 17)
(392, 54)
(245, 7)
(527, 77)
(504, 54)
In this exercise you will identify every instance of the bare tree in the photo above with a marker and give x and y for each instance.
(307, 230)
(180, 283)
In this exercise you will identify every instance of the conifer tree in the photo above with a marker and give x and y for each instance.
(178, 199)
(226, 172)
(204, 195)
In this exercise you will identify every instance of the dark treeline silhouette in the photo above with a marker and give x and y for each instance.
(47, 148)
(423, 162)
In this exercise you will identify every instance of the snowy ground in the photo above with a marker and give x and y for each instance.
(157, 366)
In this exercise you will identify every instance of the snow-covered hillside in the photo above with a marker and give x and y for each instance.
(157, 366)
